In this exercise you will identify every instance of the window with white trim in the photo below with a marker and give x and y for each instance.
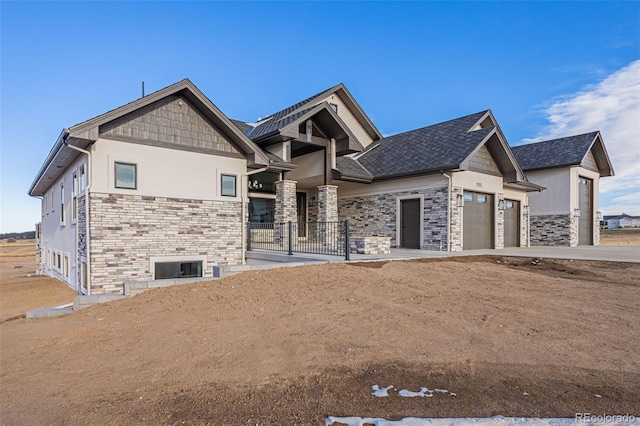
(66, 266)
(62, 218)
(74, 198)
(83, 178)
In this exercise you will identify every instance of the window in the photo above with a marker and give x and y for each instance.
(83, 274)
(228, 185)
(58, 262)
(62, 203)
(125, 175)
(66, 266)
(468, 196)
(83, 178)
(167, 270)
(261, 210)
(49, 258)
(74, 199)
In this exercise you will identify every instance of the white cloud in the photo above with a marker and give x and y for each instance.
(613, 107)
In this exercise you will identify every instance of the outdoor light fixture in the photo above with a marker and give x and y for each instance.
(312, 202)
(525, 210)
(599, 215)
(576, 212)
(459, 200)
(501, 205)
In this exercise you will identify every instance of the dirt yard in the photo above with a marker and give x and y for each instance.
(514, 337)
(20, 289)
(627, 237)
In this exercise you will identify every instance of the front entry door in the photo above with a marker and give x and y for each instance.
(301, 201)
(410, 223)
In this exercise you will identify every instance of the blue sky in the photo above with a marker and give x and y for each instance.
(546, 69)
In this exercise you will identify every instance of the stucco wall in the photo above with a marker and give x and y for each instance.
(163, 172)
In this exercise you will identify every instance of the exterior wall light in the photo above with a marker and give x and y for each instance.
(576, 212)
(501, 205)
(599, 215)
(525, 210)
(459, 200)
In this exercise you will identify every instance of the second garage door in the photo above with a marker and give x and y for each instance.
(478, 221)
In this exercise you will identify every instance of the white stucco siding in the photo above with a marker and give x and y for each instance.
(307, 166)
(350, 120)
(60, 237)
(164, 172)
(556, 198)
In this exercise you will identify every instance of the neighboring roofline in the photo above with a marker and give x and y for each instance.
(438, 170)
(527, 186)
(57, 146)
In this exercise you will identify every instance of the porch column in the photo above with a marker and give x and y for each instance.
(285, 211)
(327, 209)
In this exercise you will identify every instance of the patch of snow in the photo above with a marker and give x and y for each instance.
(422, 392)
(380, 392)
(415, 421)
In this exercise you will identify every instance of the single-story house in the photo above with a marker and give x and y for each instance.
(621, 221)
(163, 187)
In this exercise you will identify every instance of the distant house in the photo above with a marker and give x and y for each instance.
(566, 213)
(163, 187)
(621, 221)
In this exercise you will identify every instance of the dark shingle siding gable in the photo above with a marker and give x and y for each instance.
(442, 146)
(560, 152)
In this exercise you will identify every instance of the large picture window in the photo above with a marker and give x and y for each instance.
(262, 210)
(228, 185)
(125, 175)
(166, 270)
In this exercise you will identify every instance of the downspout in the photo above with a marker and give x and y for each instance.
(244, 200)
(448, 210)
(86, 213)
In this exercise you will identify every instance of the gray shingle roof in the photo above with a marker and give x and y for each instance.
(244, 127)
(278, 120)
(350, 167)
(442, 146)
(560, 152)
(274, 123)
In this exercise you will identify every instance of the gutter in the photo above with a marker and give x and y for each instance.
(244, 199)
(89, 178)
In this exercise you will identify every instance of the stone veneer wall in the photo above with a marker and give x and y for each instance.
(553, 230)
(82, 237)
(456, 219)
(127, 230)
(499, 227)
(375, 216)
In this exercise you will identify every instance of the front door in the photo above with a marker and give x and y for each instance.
(585, 221)
(301, 201)
(410, 223)
(511, 223)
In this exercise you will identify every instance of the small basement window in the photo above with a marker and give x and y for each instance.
(125, 175)
(166, 270)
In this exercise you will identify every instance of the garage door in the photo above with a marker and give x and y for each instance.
(511, 223)
(478, 221)
(585, 221)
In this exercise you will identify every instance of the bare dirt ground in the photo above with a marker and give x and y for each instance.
(20, 289)
(624, 237)
(509, 336)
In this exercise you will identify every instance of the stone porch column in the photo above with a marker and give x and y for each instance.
(327, 209)
(285, 210)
